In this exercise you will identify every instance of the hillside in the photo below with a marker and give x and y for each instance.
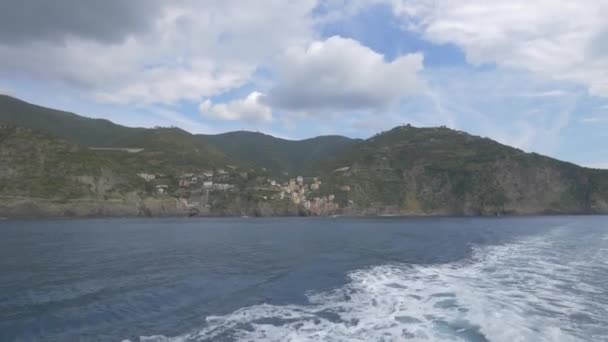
(48, 155)
(440, 171)
(247, 149)
(42, 175)
(279, 155)
(175, 145)
(40, 165)
(68, 126)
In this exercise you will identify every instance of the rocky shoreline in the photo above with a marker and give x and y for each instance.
(24, 207)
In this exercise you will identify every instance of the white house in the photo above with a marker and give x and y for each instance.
(162, 188)
(147, 176)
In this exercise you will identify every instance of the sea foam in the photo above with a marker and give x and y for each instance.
(539, 289)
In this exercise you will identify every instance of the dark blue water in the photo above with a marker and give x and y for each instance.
(507, 279)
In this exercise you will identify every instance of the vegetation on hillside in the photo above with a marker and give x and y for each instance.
(68, 126)
(279, 155)
(443, 171)
(407, 170)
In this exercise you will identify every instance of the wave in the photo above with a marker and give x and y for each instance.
(546, 288)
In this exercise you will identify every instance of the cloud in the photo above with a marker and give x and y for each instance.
(562, 40)
(249, 109)
(6, 91)
(547, 93)
(340, 74)
(169, 84)
(595, 119)
(150, 52)
(490, 103)
(109, 21)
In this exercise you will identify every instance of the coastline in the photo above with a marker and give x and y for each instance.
(38, 208)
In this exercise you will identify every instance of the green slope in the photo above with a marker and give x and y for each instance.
(37, 164)
(178, 146)
(296, 157)
(411, 170)
(68, 126)
(168, 145)
(405, 170)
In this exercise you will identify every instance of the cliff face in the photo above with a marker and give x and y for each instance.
(135, 206)
(127, 207)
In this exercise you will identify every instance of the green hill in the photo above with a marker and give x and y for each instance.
(39, 165)
(45, 153)
(411, 170)
(167, 145)
(279, 155)
(68, 126)
(247, 149)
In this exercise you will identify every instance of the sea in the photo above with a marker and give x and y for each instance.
(305, 279)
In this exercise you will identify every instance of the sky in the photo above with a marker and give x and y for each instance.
(528, 73)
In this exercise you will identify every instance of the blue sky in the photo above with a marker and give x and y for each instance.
(531, 74)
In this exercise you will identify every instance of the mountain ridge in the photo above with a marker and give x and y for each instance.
(169, 171)
(277, 154)
(93, 132)
(442, 171)
(46, 114)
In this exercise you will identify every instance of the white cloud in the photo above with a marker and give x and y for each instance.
(546, 93)
(340, 74)
(595, 119)
(191, 50)
(335, 10)
(490, 103)
(566, 40)
(249, 109)
(6, 91)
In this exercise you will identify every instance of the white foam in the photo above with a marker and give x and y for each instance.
(533, 290)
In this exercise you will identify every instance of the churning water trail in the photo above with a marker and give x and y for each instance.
(549, 287)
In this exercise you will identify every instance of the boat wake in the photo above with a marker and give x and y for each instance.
(545, 288)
